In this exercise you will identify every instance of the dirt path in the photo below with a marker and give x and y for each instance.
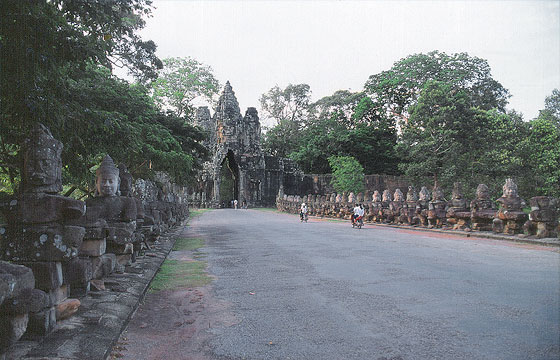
(173, 324)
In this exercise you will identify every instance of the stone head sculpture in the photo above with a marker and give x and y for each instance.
(482, 192)
(398, 195)
(411, 194)
(107, 178)
(437, 194)
(509, 188)
(42, 162)
(376, 197)
(125, 181)
(457, 193)
(386, 195)
(424, 194)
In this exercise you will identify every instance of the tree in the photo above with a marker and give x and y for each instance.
(47, 45)
(346, 124)
(436, 133)
(181, 81)
(398, 88)
(288, 109)
(347, 174)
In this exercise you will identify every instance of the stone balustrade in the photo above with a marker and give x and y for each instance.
(507, 215)
(54, 249)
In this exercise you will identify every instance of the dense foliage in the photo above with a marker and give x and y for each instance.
(431, 117)
(55, 60)
(347, 174)
(181, 81)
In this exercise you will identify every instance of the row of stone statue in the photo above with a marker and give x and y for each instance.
(505, 215)
(68, 245)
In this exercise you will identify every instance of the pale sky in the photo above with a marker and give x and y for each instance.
(334, 45)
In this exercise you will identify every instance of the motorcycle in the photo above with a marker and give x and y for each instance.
(303, 217)
(358, 222)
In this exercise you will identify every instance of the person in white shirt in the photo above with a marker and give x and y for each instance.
(303, 211)
(356, 213)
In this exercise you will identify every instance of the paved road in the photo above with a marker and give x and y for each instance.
(323, 290)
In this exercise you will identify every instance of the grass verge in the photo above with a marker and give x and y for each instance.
(176, 274)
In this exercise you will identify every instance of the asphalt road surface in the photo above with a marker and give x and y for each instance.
(322, 290)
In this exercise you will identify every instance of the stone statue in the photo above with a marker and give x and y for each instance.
(38, 219)
(458, 214)
(422, 206)
(543, 218)
(107, 210)
(409, 208)
(396, 206)
(483, 209)
(510, 216)
(437, 208)
(385, 213)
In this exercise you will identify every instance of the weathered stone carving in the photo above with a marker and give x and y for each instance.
(543, 218)
(437, 208)
(396, 206)
(483, 209)
(385, 213)
(458, 213)
(510, 216)
(409, 208)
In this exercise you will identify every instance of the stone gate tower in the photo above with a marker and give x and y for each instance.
(238, 169)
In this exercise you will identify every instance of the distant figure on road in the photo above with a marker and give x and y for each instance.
(235, 204)
(303, 212)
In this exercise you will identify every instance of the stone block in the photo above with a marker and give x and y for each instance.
(11, 329)
(29, 300)
(36, 242)
(48, 275)
(43, 322)
(120, 249)
(78, 270)
(93, 247)
(16, 277)
(58, 295)
(79, 290)
(67, 308)
(124, 260)
(103, 265)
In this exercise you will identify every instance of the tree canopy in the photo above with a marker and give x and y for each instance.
(181, 81)
(56, 59)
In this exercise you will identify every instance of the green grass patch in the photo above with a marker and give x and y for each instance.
(176, 274)
(188, 244)
(198, 212)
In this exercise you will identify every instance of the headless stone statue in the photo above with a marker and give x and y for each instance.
(543, 218)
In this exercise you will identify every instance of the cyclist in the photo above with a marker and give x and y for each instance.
(356, 213)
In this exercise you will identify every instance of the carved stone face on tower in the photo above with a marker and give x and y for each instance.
(107, 180)
(42, 170)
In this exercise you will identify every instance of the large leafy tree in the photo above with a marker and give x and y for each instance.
(397, 89)
(288, 108)
(347, 174)
(346, 124)
(181, 81)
